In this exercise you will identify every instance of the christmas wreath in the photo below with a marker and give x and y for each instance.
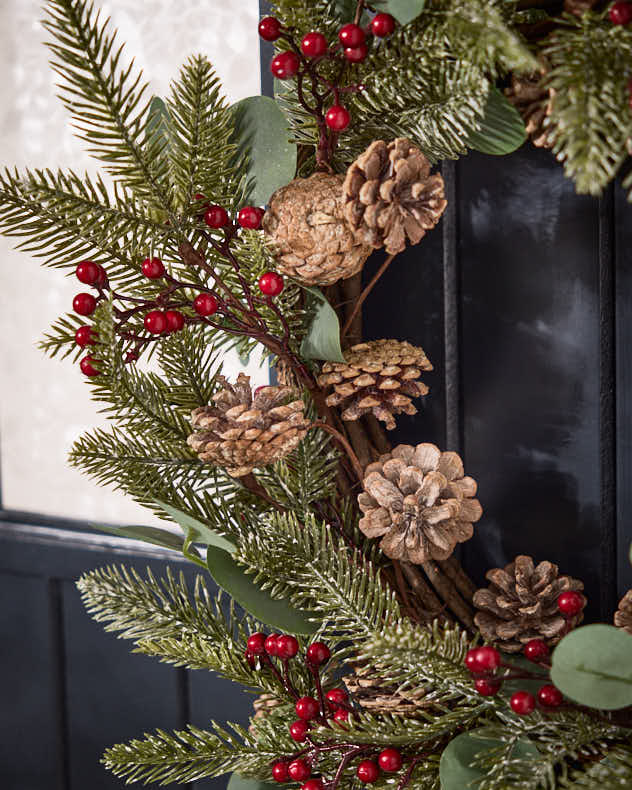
(376, 659)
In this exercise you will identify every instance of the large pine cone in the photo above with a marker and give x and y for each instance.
(375, 694)
(623, 615)
(306, 230)
(533, 101)
(418, 499)
(521, 604)
(243, 431)
(390, 195)
(379, 378)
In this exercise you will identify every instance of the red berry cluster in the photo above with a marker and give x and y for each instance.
(620, 13)
(84, 304)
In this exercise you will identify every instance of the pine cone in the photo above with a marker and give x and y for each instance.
(521, 604)
(379, 377)
(376, 695)
(623, 615)
(419, 501)
(263, 704)
(306, 230)
(285, 374)
(533, 101)
(390, 195)
(243, 431)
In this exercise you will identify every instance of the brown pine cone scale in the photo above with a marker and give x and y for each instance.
(623, 615)
(373, 693)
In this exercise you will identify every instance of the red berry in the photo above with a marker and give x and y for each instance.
(313, 784)
(571, 603)
(620, 13)
(175, 320)
(549, 696)
(482, 659)
(351, 35)
(205, 304)
(256, 643)
(390, 760)
(287, 646)
(486, 687)
(336, 697)
(299, 770)
(284, 65)
(280, 772)
(88, 273)
(356, 54)
(84, 304)
(86, 366)
(153, 268)
(314, 45)
(271, 645)
(250, 658)
(522, 703)
(216, 217)
(536, 650)
(103, 278)
(307, 708)
(85, 336)
(271, 284)
(337, 118)
(382, 25)
(341, 715)
(299, 730)
(367, 772)
(250, 217)
(155, 322)
(269, 28)
(318, 653)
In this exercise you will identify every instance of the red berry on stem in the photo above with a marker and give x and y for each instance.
(337, 118)
(299, 770)
(287, 646)
(103, 278)
(351, 35)
(299, 730)
(486, 687)
(280, 772)
(522, 703)
(216, 217)
(620, 13)
(318, 653)
(367, 771)
(307, 708)
(256, 643)
(250, 217)
(536, 650)
(284, 65)
(488, 659)
(269, 28)
(155, 322)
(271, 645)
(205, 304)
(270, 284)
(87, 368)
(314, 45)
(84, 304)
(549, 696)
(313, 784)
(571, 603)
(341, 715)
(175, 320)
(88, 273)
(382, 25)
(336, 697)
(356, 54)
(153, 268)
(390, 760)
(85, 336)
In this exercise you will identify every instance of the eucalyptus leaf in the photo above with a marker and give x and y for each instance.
(593, 666)
(197, 531)
(404, 11)
(276, 613)
(262, 137)
(238, 782)
(455, 767)
(502, 128)
(322, 340)
(154, 535)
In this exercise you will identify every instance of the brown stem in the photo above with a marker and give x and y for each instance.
(448, 592)
(453, 570)
(251, 483)
(422, 589)
(377, 434)
(360, 443)
(409, 772)
(367, 290)
(342, 441)
(351, 291)
(358, 12)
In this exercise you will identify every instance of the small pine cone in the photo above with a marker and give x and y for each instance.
(376, 695)
(418, 500)
(379, 378)
(390, 195)
(307, 233)
(263, 704)
(243, 431)
(534, 102)
(521, 604)
(623, 615)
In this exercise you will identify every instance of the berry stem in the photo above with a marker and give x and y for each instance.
(357, 466)
(367, 290)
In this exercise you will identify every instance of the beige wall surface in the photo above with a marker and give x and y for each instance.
(45, 404)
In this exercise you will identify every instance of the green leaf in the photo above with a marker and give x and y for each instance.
(502, 129)
(238, 782)
(455, 768)
(231, 577)
(155, 535)
(262, 137)
(322, 340)
(197, 531)
(404, 11)
(593, 666)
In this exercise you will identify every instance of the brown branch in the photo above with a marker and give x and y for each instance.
(342, 441)
(365, 293)
(448, 592)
